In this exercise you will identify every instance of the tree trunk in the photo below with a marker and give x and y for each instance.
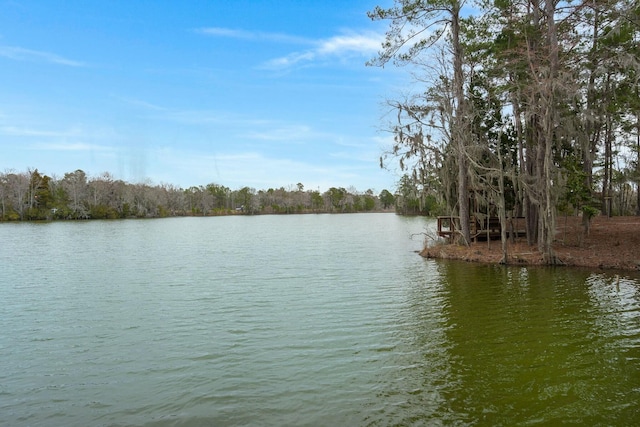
(502, 214)
(459, 125)
(548, 198)
(638, 164)
(608, 161)
(592, 129)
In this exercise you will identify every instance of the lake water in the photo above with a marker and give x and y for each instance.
(302, 320)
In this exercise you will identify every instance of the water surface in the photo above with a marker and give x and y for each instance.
(302, 320)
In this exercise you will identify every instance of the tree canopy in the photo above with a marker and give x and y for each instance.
(32, 195)
(519, 109)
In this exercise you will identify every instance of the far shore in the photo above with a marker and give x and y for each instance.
(214, 213)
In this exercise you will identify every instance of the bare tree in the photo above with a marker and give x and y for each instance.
(415, 26)
(75, 184)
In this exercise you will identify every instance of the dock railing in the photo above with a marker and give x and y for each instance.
(480, 228)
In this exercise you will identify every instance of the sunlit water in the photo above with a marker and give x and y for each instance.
(307, 320)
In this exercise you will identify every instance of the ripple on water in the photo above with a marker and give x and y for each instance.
(322, 320)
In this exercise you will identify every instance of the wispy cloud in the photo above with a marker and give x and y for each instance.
(72, 146)
(244, 127)
(358, 43)
(253, 35)
(75, 134)
(22, 54)
(340, 46)
(237, 169)
(140, 103)
(198, 117)
(54, 140)
(287, 133)
(29, 132)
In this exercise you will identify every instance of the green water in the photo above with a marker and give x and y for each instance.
(543, 346)
(307, 320)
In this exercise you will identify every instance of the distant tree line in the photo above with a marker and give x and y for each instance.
(32, 195)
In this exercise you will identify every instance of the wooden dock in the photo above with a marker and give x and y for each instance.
(480, 229)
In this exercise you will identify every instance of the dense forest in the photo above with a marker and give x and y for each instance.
(526, 108)
(31, 195)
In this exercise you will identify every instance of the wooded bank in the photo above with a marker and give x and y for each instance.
(31, 195)
(524, 109)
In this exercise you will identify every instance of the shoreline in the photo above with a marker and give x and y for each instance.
(612, 244)
(218, 213)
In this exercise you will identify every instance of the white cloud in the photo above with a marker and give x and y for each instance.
(28, 132)
(290, 133)
(21, 54)
(341, 46)
(74, 138)
(73, 132)
(72, 146)
(196, 117)
(252, 35)
(359, 43)
(251, 169)
(289, 60)
(140, 103)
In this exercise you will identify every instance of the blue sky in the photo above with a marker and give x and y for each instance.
(257, 93)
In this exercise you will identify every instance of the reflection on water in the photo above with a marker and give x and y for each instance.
(302, 320)
(416, 370)
(491, 345)
(540, 346)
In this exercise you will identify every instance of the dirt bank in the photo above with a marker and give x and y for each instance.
(613, 243)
